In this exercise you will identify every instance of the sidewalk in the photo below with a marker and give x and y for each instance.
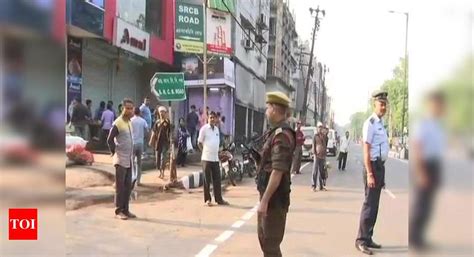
(89, 185)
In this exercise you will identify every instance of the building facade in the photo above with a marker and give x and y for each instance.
(250, 41)
(114, 47)
(281, 62)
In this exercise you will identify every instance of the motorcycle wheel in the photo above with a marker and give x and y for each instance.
(232, 177)
(251, 171)
(238, 172)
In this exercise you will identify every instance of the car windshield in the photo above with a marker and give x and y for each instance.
(308, 132)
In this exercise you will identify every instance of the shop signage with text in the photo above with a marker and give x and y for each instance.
(131, 38)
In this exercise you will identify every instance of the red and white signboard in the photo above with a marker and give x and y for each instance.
(131, 38)
(219, 33)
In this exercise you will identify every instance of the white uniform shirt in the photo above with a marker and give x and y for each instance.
(210, 139)
(375, 134)
(344, 144)
(430, 134)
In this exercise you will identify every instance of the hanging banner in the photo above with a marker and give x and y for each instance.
(222, 5)
(189, 28)
(219, 33)
(74, 69)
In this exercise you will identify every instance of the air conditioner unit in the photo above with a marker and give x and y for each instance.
(247, 44)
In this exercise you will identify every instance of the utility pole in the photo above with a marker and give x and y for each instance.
(310, 66)
(204, 61)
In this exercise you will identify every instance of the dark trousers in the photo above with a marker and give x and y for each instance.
(181, 160)
(162, 156)
(212, 172)
(271, 230)
(296, 163)
(318, 167)
(104, 136)
(123, 188)
(370, 208)
(193, 134)
(422, 204)
(342, 160)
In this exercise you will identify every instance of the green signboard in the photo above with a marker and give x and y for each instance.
(189, 28)
(168, 86)
(222, 5)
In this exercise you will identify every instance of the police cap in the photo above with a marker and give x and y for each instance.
(278, 98)
(380, 95)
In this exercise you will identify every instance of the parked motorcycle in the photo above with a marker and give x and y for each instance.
(249, 164)
(230, 167)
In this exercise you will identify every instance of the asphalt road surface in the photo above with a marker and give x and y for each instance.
(319, 223)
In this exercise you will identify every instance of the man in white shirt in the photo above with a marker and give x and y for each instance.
(343, 151)
(139, 130)
(209, 140)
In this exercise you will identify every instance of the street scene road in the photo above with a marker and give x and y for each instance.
(177, 223)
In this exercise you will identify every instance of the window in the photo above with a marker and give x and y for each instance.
(154, 18)
(272, 26)
(98, 3)
(270, 67)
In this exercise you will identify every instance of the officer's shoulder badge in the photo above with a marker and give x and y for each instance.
(278, 131)
(372, 120)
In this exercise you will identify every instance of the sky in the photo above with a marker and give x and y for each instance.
(361, 43)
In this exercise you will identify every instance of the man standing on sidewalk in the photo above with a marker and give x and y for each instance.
(319, 149)
(80, 119)
(296, 164)
(120, 143)
(160, 140)
(344, 148)
(140, 129)
(146, 115)
(274, 175)
(375, 149)
(209, 145)
(192, 122)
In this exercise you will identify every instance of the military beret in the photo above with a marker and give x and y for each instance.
(380, 95)
(278, 98)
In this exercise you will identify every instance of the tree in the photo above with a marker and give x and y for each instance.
(397, 90)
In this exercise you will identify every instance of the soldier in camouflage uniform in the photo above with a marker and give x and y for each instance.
(274, 175)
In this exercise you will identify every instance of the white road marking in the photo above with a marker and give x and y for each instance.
(238, 224)
(388, 192)
(210, 248)
(224, 236)
(207, 251)
(248, 215)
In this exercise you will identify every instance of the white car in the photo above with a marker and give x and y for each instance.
(332, 143)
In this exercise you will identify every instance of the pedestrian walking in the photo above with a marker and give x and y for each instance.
(343, 150)
(107, 119)
(140, 129)
(80, 119)
(192, 123)
(375, 149)
(319, 148)
(160, 140)
(145, 113)
(274, 174)
(429, 146)
(98, 112)
(182, 135)
(296, 163)
(208, 142)
(112, 109)
(120, 142)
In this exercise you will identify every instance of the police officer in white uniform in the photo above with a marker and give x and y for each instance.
(375, 148)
